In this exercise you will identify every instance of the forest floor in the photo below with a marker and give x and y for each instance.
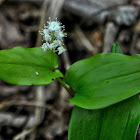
(92, 26)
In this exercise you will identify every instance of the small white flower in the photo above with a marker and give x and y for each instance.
(60, 35)
(57, 43)
(45, 31)
(44, 46)
(61, 50)
(47, 37)
(52, 46)
(54, 26)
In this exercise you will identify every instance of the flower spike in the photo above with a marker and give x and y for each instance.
(53, 35)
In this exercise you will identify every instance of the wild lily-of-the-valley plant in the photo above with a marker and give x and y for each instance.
(106, 85)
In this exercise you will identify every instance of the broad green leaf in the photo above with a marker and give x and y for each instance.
(104, 79)
(117, 122)
(115, 48)
(28, 66)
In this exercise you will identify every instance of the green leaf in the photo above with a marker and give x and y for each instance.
(115, 48)
(28, 66)
(104, 79)
(117, 122)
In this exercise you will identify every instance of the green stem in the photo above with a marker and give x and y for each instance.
(52, 49)
(53, 36)
(64, 85)
(60, 81)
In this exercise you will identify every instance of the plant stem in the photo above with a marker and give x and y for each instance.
(52, 49)
(53, 36)
(64, 85)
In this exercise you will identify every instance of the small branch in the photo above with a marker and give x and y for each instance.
(42, 21)
(64, 85)
(109, 37)
(66, 59)
(24, 133)
(84, 40)
(55, 9)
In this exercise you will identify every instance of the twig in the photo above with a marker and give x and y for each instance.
(40, 99)
(28, 103)
(17, 121)
(109, 37)
(24, 133)
(135, 37)
(84, 40)
(66, 59)
(42, 21)
(55, 8)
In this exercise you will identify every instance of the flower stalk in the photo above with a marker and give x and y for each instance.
(64, 85)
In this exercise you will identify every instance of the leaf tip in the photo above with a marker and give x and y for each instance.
(115, 48)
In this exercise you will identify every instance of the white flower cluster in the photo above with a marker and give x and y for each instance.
(53, 35)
